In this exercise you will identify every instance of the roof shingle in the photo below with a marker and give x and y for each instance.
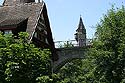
(11, 22)
(11, 15)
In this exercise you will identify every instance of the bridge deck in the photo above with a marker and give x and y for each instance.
(67, 54)
(68, 50)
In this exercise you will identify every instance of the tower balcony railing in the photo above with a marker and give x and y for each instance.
(70, 43)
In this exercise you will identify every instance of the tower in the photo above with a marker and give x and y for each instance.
(80, 35)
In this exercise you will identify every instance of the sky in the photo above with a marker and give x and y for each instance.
(64, 15)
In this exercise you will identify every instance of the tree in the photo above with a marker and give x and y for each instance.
(109, 48)
(73, 71)
(65, 44)
(21, 62)
(105, 61)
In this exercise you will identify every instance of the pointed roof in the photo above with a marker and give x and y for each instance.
(11, 21)
(14, 14)
(81, 26)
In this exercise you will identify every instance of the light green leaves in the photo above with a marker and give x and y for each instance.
(21, 62)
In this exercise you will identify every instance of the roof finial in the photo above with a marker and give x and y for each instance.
(80, 15)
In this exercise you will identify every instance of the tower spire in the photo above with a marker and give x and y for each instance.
(80, 35)
(81, 25)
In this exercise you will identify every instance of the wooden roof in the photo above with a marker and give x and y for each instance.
(10, 15)
(11, 22)
(13, 2)
(30, 11)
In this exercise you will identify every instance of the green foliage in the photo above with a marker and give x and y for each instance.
(68, 44)
(44, 79)
(109, 48)
(74, 71)
(105, 61)
(65, 44)
(21, 62)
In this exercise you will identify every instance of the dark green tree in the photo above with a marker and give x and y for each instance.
(109, 48)
(75, 70)
(21, 62)
(105, 61)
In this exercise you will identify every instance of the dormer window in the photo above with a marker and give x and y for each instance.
(14, 26)
(7, 31)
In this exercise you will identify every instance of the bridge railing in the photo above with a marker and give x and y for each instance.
(71, 43)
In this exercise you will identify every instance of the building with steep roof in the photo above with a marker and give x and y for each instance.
(12, 2)
(80, 35)
(27, 16)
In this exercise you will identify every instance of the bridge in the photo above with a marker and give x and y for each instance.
(72, 49)
(67, 54)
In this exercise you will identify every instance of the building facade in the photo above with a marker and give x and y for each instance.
(28, 16)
